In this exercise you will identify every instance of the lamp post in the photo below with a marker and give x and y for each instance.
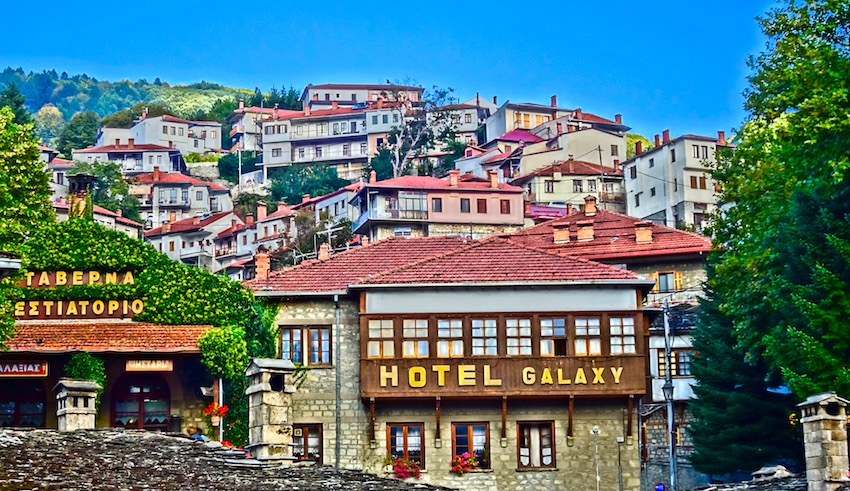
(595, 432)
(667, 388)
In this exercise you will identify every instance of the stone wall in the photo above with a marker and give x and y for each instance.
(656, 450)
(575, 457)
(315, 400)
(476, 231)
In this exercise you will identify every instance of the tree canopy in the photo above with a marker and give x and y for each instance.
(111, 190)
(80, 132)
(290, 184)
(48, 124)
(780, 276)
(12, 98)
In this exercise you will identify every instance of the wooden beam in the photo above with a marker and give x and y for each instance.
(504, 416)
(437, 416)
(371, 419)
(570, 417)
(631, 412)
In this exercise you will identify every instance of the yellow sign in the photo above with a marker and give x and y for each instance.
(149, 366)
(472, 375)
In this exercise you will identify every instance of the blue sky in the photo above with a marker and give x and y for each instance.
(664, 64)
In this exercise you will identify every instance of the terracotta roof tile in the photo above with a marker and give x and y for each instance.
(188, 224)
(178, 178)
(517, 135)
(498, 260)
(613, 238)
(105, 336)
(571, 167)
(345, 268)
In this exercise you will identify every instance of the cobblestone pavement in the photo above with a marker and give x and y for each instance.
(138, 460)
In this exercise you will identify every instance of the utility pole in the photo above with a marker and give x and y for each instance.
(668, 395)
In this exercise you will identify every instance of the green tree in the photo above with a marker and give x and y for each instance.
(631, 138)
(111, 191)
(228, 165)
(291, 183)
(24, 189)
(456, 149)
(780, 273)
(80, 132)
(125, 117)
(382, 164)
(48, 124)
(12, 98)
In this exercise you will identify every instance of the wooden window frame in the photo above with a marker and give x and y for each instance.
(305, 447)
(588, 337)
(481, 205)
(320, 351)
(383, 341)
(437, 205)
(677, 355)
(548, 186)
(553, 339)
(519, 337)
(622, 335)
(482, 462)
(520, 426)
(406, 450)
(483, 337)
(416, 339)
(452, 339)
(464, 209)
(505, 206)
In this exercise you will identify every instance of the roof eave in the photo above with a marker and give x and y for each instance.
(632, 282)
(290, 293)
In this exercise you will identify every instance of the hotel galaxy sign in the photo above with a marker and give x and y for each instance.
(75, 308)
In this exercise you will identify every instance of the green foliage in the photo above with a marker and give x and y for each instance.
(111, 190)
(84, 366)
(125, 117)
(8, 294)
(48, 124)
(12, 98)
(224, 351)
(201, 157)
(309, 237)
(631, 138)
(290, 184)
(80, 132)
(228, 165)
(382, 164)
(456, 147)
(24, 189)
(247, 204)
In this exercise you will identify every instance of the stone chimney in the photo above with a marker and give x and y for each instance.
(643, 232)
(232, 223)
(560, 128)
(584, 231)
(156, 173)
(825, 439)
(373, 177)
(324, 252)
(305, 198)
(561, 232)
(131, 142)
(721, 137)
(261, 210)
(335, 105)
(262, 263)
(590, 206)
(307, 110)
(665, 138)
(577, 114)
(553, 101)
(494, 179)
(241, 103)
(618, 118)
(657, 140)
(638, 147)
(270, 389)
(75, 400)
(249, 219)
(454, 174)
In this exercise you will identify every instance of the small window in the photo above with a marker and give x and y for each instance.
(171, 246)
(704, 152)
(485, 341)
(694, 182)
(652, 162)
(680, 362)
(637, 200)
(505, 206)
(553, 337)
(291, 348)
(415, 338)
(672, 155)
(467, 118)
(633, 172)
(615, 150)
(577, 188)
(164, 130)
(473, 439)
(276, 152)
(300, 153)
(696, 151)
(385, 118)
(353, 97)
(668, 281)
(591, 186)
(320, 345)
(622, 331)
(464, 205)
(536, 444)
(173, 130)
(381, 344)
(450, 338)
(518, 336)
(482, 205)
(307, 442)
(587, 336)
(508, 148)
(196, 143)
(702, 184)
(199, 195)
(374, 119)
(346, 149)
(404, 441)
(318, 151)
(395, 118)
(213, 134)
(327, 97)
(652, 191)
(437, 205)
(548, 186)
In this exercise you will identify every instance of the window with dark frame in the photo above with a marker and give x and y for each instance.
(680, 362)
(450, 338)
(485, 338)
(437, 205)
(702, 183)
(588, 341)
(320, 346)
(291, 348)
(696, 151)
(622, 335)
(633, 171)
(536, 444)
(505, 206)
(414, 338)
(474, 439)
(381, 340)
(518, 336)
(614, 150)
(652, 162)
(549, 186)
(464, 205)
(553, 337)
(704, 152)
(404, 441)
(693, 182)
(307, 442)
(672, 155)
(482, 205)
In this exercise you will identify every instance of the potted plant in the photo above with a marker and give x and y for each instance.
(402, 468)
(215, 412)
(463, 463)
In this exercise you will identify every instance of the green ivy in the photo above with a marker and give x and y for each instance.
(84, 366)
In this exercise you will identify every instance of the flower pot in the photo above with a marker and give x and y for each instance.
(215, 420)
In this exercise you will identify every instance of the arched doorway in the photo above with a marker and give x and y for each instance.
(141, 401)
(22, 403)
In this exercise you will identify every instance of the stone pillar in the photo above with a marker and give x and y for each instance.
(825, 437)
(269, 394)
(76, 402)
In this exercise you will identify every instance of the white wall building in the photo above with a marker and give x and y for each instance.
(171, 197)
(323, 96)
(134, 158)
(171, 132)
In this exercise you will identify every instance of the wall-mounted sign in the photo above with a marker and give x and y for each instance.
(48, 279)
(78, 309)
(23, 368)
(150, 366)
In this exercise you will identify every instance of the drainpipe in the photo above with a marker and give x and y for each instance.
(337, 385)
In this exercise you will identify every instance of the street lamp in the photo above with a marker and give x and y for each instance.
(667, 388)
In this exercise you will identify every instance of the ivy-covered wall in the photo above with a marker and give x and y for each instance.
(173, 293)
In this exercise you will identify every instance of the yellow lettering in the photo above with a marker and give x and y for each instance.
(546, 377)
(19, 309)
(29, 275)
(561, 379)
(83, 306)
(111, 278)
(48, 306)
(77, 277)
(597, 375)
(137, 306)
(72, 308)
(616, 372)
(390, 375)
(125, 306)
(94, 277)
(441, 374)
(33, 308)
(466, 375)
(59, 307)
(97, 307)
(581, 378)
(61, 278)
(44, 279)
(416, 377)
(488, 380)
(528, 376)
(113, 306)
(128, 278)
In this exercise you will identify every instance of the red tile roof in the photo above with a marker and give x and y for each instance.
(517, 135)
(497, 157)
(189, 224)
(177, 178)
(433, 183)
(571, 167)
(354, 187)
(60, 162)
(105, 336)
(498, 260)
(345, 268)
(613, 238)
(282, 211)
(235, 230)
(139, 147)
(594, 118)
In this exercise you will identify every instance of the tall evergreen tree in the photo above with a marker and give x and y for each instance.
(12, 98)
(80, 132)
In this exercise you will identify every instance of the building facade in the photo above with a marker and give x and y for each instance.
(172, 196)
(134, 158)
(570, 182)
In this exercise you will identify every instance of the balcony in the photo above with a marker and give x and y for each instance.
(613, 197)
(174, 203)
(238, 129)
(389, 214)
(225, 251)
